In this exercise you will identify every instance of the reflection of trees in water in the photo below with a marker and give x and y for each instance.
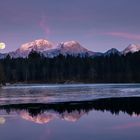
(129, 105)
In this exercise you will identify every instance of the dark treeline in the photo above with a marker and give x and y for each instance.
(36, 68)
(129, 105)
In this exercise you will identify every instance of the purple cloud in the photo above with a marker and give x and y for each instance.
(44, 25)
(124, 35)
(127, 126)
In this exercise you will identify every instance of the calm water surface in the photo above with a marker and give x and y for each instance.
(112, 121)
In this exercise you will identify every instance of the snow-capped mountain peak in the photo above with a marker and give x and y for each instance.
(46, 48)
(112, 51)
(132, 48)
(40, 45)
(37, 45)
(71, 47)
(72, 44)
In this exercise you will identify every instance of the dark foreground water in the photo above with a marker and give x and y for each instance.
(107, 118)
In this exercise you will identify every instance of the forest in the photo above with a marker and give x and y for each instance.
(113, 68)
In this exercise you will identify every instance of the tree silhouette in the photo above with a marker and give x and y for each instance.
(114, 68)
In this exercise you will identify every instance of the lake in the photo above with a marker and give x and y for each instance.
(70, 112)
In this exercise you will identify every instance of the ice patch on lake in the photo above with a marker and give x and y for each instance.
(41, 93)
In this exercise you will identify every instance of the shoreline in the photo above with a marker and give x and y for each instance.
(62, 84)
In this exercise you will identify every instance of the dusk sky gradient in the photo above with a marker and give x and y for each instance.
(97, 24)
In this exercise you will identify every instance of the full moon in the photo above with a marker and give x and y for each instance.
(2, 45)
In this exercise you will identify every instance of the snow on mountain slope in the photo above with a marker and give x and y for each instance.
(112, 51)
(73, 48)
(132, 48)
(48, 50)
(39, 45)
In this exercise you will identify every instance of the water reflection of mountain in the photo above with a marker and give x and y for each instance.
(48, 116)
(73, 111)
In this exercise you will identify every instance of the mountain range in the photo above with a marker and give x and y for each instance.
(73, 48)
